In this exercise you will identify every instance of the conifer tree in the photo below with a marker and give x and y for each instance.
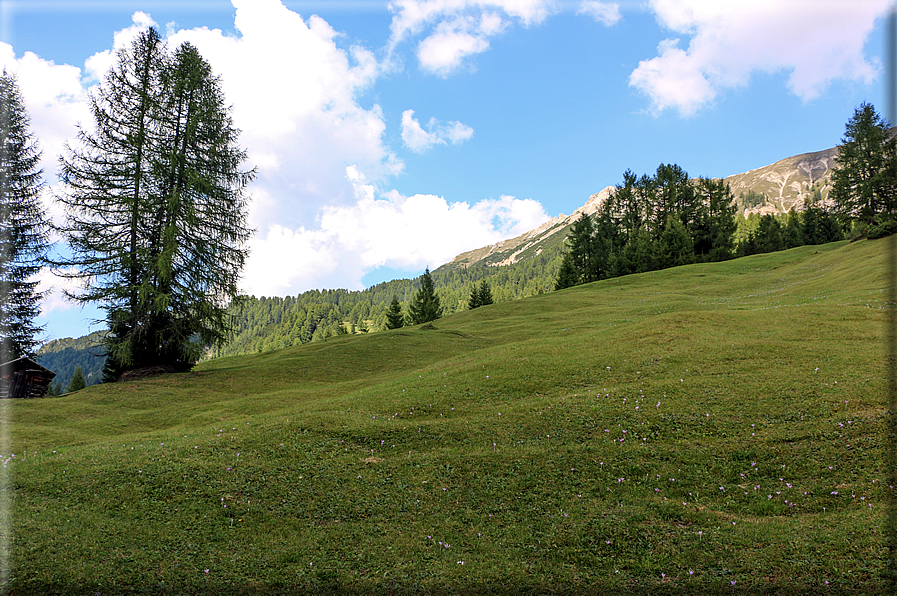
(424, 305)
(24, 228)
(77, 381)
(480, 295)
(156, 210)
(864, 183)
(568, 276)
(793, 235)
(675, 246)
(485, 294)
(394, 316)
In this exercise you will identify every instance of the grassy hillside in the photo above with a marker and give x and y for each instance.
(706, 429)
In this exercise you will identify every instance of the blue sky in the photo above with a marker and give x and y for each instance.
(391, 136)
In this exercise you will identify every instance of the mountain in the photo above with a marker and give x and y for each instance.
(775, 189)
(63, 356)
(514, 268)
(532, 243)
(786, 183)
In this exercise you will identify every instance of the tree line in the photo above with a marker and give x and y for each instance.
(665, 220)
(155, 226)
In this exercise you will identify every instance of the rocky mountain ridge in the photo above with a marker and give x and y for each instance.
(775, 189)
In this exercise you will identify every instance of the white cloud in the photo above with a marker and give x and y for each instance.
(443, 51)
(817, 43)
(606, 13)
(295, 98)
(100, 63)
(54, 99)
(393, 231)
(452, 30)
(419, 140)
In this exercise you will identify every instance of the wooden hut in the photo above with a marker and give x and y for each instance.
(24, 377)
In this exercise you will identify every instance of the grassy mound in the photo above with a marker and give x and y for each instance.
(705, 429)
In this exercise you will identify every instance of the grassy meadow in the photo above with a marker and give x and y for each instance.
(714, 428)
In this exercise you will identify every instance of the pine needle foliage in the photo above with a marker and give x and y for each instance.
(156, 209)
(480, 295)
(24, 229)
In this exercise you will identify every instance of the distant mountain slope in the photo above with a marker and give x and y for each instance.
(786, 183)
(549, 235)
(63, 356)
(775, 188)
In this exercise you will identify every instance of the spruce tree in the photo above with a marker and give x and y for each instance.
(424, 305)
(24, 229)
(485, 294)
(480, 295)
(77, 381)
(568, 276)
(394, 316)
(156, 209)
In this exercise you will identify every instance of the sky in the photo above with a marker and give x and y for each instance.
(391, 136)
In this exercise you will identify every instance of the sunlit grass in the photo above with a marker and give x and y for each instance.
(712, 428)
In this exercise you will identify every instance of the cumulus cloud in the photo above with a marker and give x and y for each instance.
(452, 30)
(391, 230)
(606, 13)
(54, 97)
(295, 97)
(100, 63)
(419, 140)
(319, 223)
(729, 41)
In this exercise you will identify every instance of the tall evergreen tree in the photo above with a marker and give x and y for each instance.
(394, 316)
(864, 183)
(567, 276)
(77, 382)
(480, 295)
(425, 306)
(675, 246)
(793, 235)
(24, 229)
(156, 209)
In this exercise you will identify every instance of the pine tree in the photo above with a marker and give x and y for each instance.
(864, 182)
(23, 226)
(77, 382)
(156, 210)
(793, 234)
(425, 306)
(394, 316)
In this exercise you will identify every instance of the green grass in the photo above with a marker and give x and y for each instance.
(706, 429)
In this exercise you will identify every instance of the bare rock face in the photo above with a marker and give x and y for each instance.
(787, 182)
(508, 252)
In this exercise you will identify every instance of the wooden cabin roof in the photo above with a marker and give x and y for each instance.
(22, 364)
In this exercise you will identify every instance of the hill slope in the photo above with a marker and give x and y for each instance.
(705, 429)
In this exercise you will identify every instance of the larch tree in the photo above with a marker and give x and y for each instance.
(156, 208)
(864, 181)
(24, 228)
